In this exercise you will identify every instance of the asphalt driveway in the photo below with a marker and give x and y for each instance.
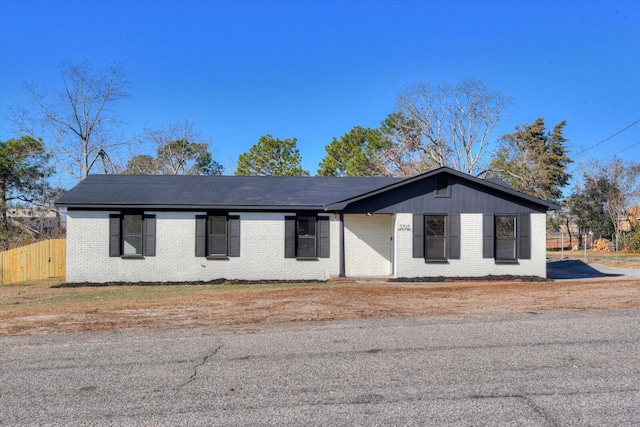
(573, 269)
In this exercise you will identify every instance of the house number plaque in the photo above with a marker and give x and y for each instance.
(404, 227)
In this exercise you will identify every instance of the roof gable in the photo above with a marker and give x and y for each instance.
(497, 187)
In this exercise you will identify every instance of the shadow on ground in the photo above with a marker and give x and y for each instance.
(575, 269)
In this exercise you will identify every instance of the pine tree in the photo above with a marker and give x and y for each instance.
(271, 156)
(534, 161)
(359, 152)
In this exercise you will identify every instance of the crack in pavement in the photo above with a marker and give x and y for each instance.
(194, 375)
(538, 410)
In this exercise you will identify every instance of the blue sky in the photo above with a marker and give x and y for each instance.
(313, 70)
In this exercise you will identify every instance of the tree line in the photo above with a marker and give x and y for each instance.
(76, 129)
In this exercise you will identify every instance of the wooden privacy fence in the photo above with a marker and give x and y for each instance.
(36, 261)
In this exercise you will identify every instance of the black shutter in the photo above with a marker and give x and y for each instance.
(233, 223)
(454, 236)
(289, 236)
(524, 236)
(418, 236)
(487, 236)
(114, 235)
(201, 235)
(324, 225)
(149, 230)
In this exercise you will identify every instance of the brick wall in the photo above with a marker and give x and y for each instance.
(471, 262)
(261, 252)
(367, 243)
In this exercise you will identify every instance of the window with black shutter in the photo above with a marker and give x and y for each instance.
(307, 237)
(436, 237)
(217, 236)
(132, 235)
(507, 237)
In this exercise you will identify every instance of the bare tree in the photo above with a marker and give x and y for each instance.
(624, 191)
(402, 156)
(180, 150)
(78, 122)
(454, 123)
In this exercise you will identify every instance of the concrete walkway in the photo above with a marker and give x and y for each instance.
(573, 269)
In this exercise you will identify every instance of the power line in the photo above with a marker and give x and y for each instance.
(608, 138)
(575, 169)
(625, 149)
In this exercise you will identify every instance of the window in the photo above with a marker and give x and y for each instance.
(132, 234)
(306, 232)
(306, 237)
(217, 236)
(436, 237)
(507, 237)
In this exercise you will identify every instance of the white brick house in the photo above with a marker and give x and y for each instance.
(202, 228)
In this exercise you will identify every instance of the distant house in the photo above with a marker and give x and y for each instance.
(631, 220)
(191, 228)
(43, 221)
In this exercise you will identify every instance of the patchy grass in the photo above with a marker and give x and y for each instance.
(52, 296)
(38, 307)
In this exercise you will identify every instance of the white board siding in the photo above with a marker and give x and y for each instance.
(471, 262)
(367, 241)
(261, 252)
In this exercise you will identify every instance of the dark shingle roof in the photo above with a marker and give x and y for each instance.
(216, 192)
(248, 192)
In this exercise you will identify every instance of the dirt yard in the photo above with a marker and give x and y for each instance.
(36, 308)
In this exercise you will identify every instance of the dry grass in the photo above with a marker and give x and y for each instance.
(36, 307)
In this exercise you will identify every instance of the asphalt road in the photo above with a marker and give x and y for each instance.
(570, 368)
